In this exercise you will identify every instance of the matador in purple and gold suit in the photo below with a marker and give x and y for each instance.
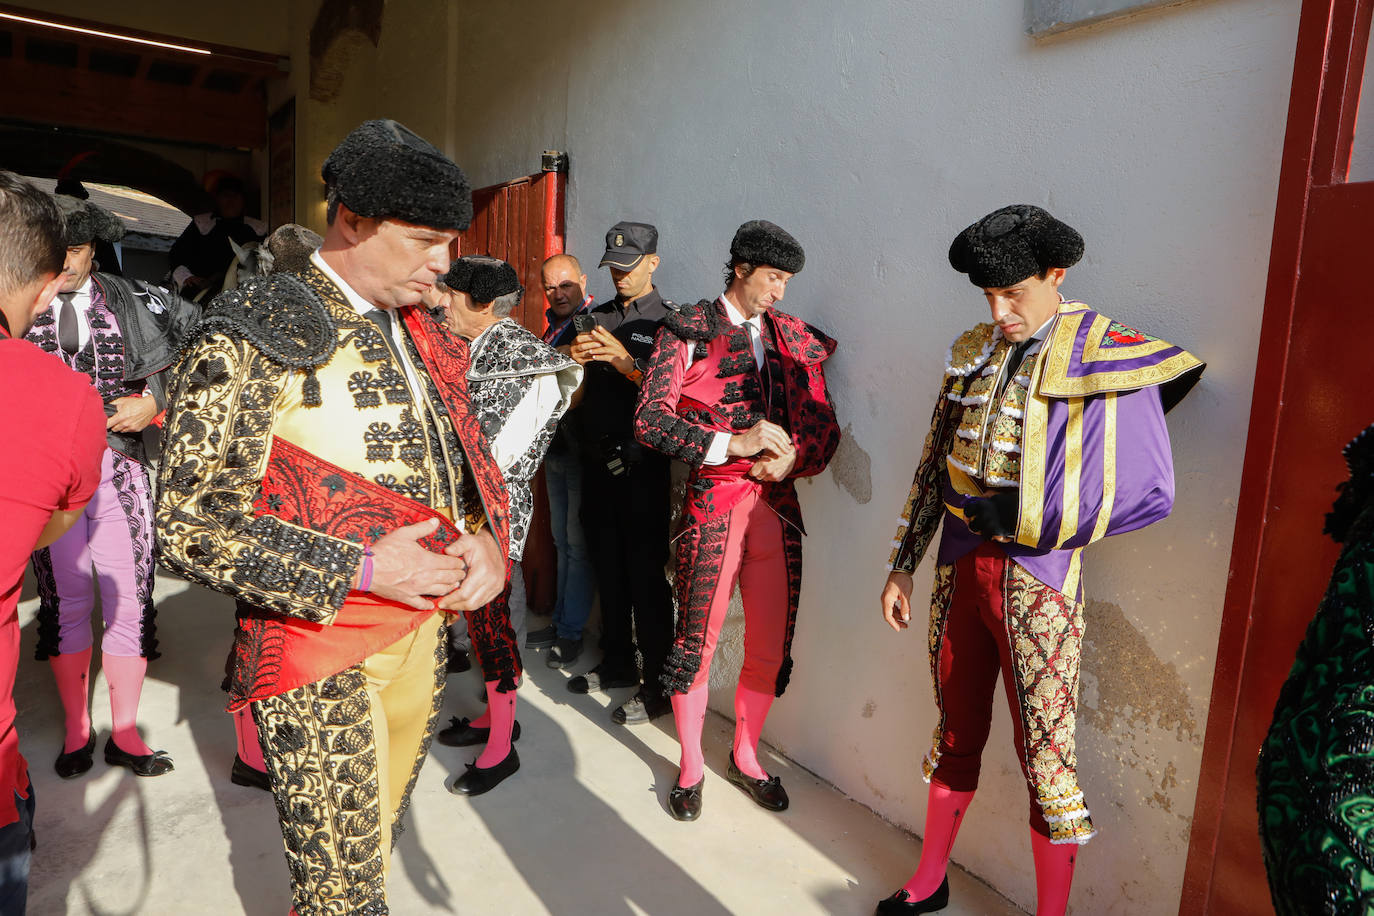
(1048, 434)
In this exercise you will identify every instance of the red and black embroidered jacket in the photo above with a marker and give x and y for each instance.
(703, 380)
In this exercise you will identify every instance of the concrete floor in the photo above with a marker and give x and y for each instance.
(581, 829)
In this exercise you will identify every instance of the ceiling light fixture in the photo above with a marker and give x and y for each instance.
(116, 37)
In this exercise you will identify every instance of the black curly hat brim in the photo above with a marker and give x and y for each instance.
(1013, 243)
(382, 170)
(84, 222)
(484, 279)
(760, 242)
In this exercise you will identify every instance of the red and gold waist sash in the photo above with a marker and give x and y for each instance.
(274, 653)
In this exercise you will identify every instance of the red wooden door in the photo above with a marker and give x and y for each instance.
(1309, 399)
(511, 221)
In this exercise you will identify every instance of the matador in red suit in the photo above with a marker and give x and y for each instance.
(736, 390)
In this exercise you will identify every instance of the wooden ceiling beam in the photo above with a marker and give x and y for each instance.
(225, 56)
(81, 98)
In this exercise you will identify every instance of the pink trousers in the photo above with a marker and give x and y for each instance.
(113, 537)
(744, 544)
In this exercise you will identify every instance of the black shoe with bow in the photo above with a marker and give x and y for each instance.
(901, 902)
(73, 763)
(766, 793)
(462, 733)
(684, 802)
(477, 780)
(154, 764)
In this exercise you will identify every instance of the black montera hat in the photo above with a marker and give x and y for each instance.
(85, 222)
(627, 243)
(760, 242)
(1013, 243)
(72, 187)
(383, 170)
(484, 279)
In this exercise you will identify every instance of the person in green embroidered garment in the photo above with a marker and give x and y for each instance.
(1316, 766)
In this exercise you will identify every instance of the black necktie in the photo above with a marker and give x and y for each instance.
(68, 334)
(1014, 360)
(382, 319)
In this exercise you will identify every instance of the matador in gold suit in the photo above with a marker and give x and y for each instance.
(316, 468)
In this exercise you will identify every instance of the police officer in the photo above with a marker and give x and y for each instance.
(625, 486)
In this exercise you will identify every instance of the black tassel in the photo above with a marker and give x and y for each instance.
(784, 675)
(310, 392)
(147, 632)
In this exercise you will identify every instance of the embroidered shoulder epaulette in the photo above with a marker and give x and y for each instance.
(1088, 353)
(282, 317)
(508, 350)
(699, 321)
(971, 349)
(807, 343)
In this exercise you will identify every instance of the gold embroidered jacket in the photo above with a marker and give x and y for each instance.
(289, 357)
(1079, 431)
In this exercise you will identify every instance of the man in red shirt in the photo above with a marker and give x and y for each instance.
(43, 486)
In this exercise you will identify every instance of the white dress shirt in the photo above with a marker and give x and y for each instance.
(363, 307)
(81, 304)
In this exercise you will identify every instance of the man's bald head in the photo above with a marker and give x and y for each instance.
(563, 260)
(564, 284)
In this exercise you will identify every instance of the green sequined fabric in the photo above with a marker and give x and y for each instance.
(1316, 765)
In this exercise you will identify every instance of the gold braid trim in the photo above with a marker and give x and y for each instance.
(224, 396)
(925, 502)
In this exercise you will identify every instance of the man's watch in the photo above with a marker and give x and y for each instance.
(637, 369)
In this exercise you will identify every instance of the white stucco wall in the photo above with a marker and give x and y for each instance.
(874, 130)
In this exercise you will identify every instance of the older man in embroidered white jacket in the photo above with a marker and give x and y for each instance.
(520, 387)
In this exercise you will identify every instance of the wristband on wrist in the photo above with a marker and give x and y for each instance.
(365, 580)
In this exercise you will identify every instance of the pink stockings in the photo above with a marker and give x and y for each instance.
(124, 674)
(1053, 874)
(500, 718)
(246, 739)
(689, 713)
(945, 812)
(751, 709)
(73, 675)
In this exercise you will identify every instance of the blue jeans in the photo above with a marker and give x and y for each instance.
(16, 842)
(576, 578)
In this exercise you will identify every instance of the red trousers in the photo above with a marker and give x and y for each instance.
(988, 615)
(745, 543)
